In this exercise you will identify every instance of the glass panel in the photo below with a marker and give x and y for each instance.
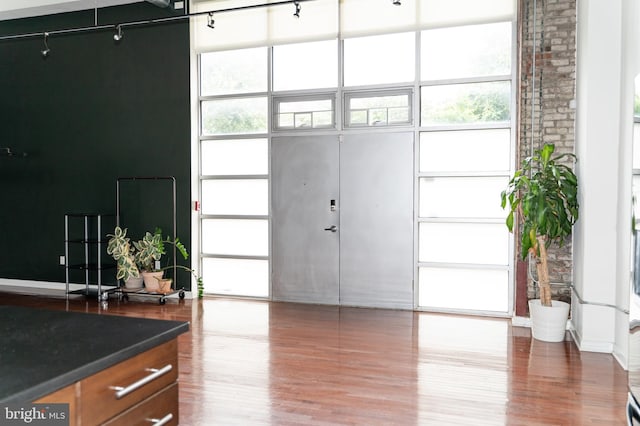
(399, 115)
(233, 71)
(440, 197)
(305, 114)
(636, 146)
(379, 110)
(323, 119)
(465, 150)
(474, 289)
(358, 117)
(469, 51)
(235, 197)
(367, 59)
(469, 103)
(235, 157)
(636, 199)
(474, 243)
(248, 115)
(440, 13)
(305, 65)
(242, 237)
(302, 120)
(306, 106)
(285, 120)
(238, 277)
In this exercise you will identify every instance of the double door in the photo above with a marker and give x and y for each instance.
(342, 219)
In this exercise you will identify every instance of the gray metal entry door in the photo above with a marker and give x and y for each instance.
(305, 256)
(342, 215)
(376, 218)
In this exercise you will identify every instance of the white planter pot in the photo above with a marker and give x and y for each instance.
(133, 283)
(548, 323)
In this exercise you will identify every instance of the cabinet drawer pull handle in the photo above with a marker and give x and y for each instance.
(161, 422)
(155, 373)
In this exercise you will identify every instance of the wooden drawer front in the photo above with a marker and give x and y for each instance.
(98, 401)
(152, 410)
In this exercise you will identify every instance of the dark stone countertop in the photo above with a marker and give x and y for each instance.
(42, 351)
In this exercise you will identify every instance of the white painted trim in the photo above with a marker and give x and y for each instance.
(621, 358)
(521, 322)
(39, 284)
(590, 346)
(45, 287)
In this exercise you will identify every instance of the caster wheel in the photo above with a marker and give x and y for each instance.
(181, 294)
(125, 297)
(104, 305)
(104, 296)
(162, 300)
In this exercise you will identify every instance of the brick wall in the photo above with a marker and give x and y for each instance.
(548, 41)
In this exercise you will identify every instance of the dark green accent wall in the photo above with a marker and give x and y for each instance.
(93, 111)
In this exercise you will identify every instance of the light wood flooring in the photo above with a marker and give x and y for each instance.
(264, 363)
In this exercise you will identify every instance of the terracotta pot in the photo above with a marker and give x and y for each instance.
(151, 280)
(165, 285)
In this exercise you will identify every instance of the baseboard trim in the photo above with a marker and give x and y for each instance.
(521, 322)
(54, 288)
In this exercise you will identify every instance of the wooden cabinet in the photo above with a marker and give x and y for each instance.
(141, 390)
(68, 395)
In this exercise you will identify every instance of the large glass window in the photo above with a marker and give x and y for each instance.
(233, 72)
(469, 103)
(481, 50)
(235, 156)
(305, 66)
(381, 59)
(441, 68)
(465, 160)
(234, 116)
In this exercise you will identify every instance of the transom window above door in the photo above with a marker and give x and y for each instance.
(316, 112)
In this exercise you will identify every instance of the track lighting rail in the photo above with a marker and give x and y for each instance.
(149, 21)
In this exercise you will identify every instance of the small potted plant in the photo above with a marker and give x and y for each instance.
(120, 248)
(148, 251)
(142, 259)
(544, 194)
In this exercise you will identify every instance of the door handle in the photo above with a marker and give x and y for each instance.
(332, 228)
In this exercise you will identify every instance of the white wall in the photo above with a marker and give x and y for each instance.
(606, 64)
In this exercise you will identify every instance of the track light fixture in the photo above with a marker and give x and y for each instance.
(45, 52)
(396, 2)
(298, 9)
(211, 23)
(119, 33)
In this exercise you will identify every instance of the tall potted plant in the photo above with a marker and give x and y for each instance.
(543, 193)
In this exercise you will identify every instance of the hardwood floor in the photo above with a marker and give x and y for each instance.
(259, 363)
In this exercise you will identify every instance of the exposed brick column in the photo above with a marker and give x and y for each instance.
(546, 95)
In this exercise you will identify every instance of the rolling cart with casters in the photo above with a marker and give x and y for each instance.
(162, 297)
(125, 293)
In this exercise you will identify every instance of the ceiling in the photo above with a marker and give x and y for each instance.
(13, 9)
